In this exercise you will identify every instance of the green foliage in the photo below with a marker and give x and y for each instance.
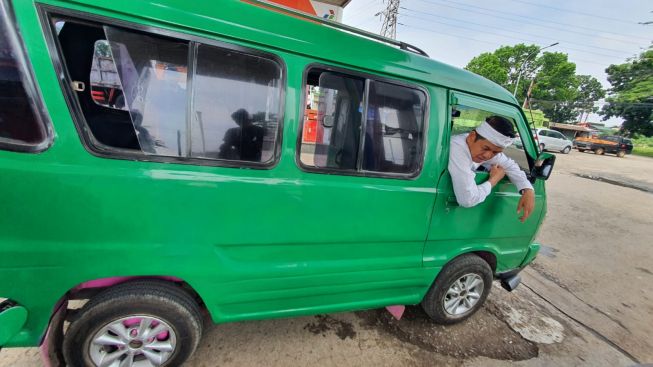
(560, 93)
(504, 64)
(537, 117)
(631, 95)
(589, 90)
(644, 151)
(642, 145)
(556, 81)
(488, 65)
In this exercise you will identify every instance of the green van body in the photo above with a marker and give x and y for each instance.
(252, 243)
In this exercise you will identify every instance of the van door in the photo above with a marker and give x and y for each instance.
(494, 224)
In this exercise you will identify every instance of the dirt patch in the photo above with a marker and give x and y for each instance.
(547, 251)
(484, 334)
(325, 323)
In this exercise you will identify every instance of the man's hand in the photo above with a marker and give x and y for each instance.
(496, 174)
(526, 204)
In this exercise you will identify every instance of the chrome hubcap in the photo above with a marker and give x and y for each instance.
(138, 341)
(463, 294)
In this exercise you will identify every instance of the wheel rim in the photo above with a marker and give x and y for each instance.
(463, 294)
(138, 341)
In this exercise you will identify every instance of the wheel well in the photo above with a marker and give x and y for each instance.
(489, 258)
(88, 289)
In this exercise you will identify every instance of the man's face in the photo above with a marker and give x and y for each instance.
(481, 149)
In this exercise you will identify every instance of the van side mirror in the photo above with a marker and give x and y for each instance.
(543, 166)
(327, 121)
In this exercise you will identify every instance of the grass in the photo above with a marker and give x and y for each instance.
(643, 146)
(643, 151)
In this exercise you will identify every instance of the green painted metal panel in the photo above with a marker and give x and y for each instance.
(253, 243)
(11, 321)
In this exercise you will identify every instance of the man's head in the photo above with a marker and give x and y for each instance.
(500, 133)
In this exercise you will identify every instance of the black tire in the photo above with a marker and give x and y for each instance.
(566, 150)
(433, 302)
(621, 154)
(599, 151)
(152, 298)
(581, 150)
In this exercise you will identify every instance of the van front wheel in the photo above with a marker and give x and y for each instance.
(148, 323)
(459, 290)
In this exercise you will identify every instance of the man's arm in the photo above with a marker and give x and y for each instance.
(468, 193)
(518, 178)
(513, 171)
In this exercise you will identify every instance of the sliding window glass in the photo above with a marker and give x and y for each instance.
(153, 72)
(161, 96)
(236, 110)
(362, 125)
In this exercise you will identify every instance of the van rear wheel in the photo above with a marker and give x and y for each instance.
(599, 151)
(621, 154)
(140, 323)
(459, 290)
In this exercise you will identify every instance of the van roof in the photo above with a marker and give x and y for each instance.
(242, 20)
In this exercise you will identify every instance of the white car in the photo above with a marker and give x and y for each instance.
(553, 140)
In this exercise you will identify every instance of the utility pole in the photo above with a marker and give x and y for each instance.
(527, 100)
(389, 27)
(521, 67)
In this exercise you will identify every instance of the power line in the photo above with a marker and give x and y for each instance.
(572, 11)
(527, 17)
(621, 52)
(495, 44)
(514, 38)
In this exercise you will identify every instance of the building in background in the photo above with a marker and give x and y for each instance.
(327, 9)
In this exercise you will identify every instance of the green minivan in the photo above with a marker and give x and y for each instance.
(169, 162)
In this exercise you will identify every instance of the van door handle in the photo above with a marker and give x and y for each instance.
(451, 200)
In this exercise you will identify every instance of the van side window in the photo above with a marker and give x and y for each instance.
(394, 128)
(22, 127)
(338, 102)
(236, 106)
(470, 118)
(335, 135)
(153, 72)
(159, 96)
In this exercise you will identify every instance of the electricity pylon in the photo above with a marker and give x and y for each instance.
(389, 27)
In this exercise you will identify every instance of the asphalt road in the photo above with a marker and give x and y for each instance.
(587, 299)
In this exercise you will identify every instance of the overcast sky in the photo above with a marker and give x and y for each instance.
(594, 33)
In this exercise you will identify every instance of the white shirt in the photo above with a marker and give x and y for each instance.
(462, 169)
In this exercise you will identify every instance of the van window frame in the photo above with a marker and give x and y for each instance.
(48, 14)
(367, 77)
(500, 108)
(32, 89)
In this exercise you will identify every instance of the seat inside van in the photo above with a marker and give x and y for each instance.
(110, 126)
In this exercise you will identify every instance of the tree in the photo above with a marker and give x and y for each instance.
(589, 91)
(631, 94)
(555, 90)
(489, 65)
(503, 66)
(555, 83)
